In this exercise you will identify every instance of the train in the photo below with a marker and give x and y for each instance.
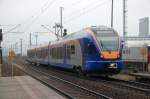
(92, 50)
(136, 58)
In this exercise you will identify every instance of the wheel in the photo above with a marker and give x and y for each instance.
(106, 76)
(38, 64)
(87, 75)
(79, 71)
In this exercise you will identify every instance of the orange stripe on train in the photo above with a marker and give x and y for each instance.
(111, 54)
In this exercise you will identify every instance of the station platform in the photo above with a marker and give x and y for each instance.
(25, 87)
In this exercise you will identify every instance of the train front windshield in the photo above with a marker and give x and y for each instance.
(108, 40)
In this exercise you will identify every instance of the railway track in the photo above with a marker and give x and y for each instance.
(108, 89)
(129, 85)
(144, 86)
(66, 88)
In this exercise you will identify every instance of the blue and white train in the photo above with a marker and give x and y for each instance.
(95, 49)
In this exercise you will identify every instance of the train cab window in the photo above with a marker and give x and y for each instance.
(72, 49)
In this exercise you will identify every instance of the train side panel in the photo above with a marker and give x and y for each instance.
(56, 56)
(66, 55)
(42, 55)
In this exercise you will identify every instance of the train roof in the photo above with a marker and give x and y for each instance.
(79, 34)
(82, 33)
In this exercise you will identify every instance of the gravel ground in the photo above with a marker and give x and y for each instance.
(7, 70)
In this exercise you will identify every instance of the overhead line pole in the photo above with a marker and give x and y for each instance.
(61, 26)
(20, 47)
(112, 9)
(124, 21)
(36, 36)
(30, 41)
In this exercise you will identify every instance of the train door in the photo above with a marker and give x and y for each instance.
(64, 54)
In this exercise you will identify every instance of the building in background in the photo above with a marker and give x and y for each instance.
(144, 27)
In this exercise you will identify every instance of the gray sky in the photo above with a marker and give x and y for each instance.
(77, 14)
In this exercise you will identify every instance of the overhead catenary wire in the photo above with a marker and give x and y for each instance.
(51, 2)
(86, 11)
(44, 9)
(12, 29)
(66, 8)
(33, 15)
(80, 9)
(77, 11)
(19, 25)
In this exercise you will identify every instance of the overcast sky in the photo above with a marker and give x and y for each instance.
(77, 14)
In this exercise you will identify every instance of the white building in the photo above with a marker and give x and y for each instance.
(144, 27)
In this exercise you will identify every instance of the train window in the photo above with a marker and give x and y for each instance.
(40, 53)
(57, 52)
(54, 50)
(61, 52)
(50, 51)
(57, 56)
(72, 49)
(37, 53)
(54, 53)
(44, 53)
(47, 52)
(68, 52)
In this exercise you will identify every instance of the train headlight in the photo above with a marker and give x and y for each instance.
(102, 56)
(113, 65)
